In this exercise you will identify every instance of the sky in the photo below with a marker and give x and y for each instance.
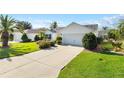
(44, 20)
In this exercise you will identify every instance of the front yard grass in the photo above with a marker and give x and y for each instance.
(94, 65)
(17, 49)
(108, 46)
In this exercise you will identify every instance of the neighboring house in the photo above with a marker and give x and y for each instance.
(30, 33)
(17, 36)
(54, 33)
(51, 35)
(74, 32)
(103, 33)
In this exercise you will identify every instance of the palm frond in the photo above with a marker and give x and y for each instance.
(7, 23)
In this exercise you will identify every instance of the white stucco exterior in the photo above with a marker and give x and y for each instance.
(73, 34)
(53, 35)
(31, 36)
(17, 36)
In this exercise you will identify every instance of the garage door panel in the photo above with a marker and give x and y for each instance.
(72, 39)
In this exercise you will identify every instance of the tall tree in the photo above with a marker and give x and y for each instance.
(7, 25)
(54, 25)
(121, 26)
(23, 25)
(104, 27)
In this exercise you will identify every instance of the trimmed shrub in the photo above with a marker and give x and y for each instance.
(11, 37)
(52, 43)
(25, 38)
(59, 40)
(89, 41)
(36, 38)
(43, 44)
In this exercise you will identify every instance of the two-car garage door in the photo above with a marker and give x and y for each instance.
(72, 39)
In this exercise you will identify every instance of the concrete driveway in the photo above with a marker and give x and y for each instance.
(44, 63)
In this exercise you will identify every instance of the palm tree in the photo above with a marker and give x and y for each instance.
(7, 25)
(104, 27)
(23, 25)
(54, 25)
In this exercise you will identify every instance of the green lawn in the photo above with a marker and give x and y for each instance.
(108, 45)
(17, 49)
(94, 65)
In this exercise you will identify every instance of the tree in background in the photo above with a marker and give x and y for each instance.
(113, 34)
(121, 26)
(54, 25)
(23, 25)
(105, 28)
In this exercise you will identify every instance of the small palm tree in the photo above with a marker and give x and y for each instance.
(23, 25)
(7, 25)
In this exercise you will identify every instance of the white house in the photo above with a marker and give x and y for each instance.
(30, 33)
(74, 32)
(51, 35)
(17, 36)
(54, 33)
(103, 33)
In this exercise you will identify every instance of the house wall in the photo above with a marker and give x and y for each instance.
(53, 35)
(76, 29)
(31, 36)
(17, 36)
(103, 34)
(73, 34)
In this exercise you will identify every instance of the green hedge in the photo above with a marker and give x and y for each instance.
(89, 41)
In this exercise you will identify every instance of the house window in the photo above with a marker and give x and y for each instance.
(48, 36)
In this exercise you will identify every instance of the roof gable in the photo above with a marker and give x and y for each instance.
(77, 28)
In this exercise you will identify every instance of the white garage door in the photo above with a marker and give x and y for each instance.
(72, 39)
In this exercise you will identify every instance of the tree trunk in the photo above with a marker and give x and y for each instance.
(5, 38)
